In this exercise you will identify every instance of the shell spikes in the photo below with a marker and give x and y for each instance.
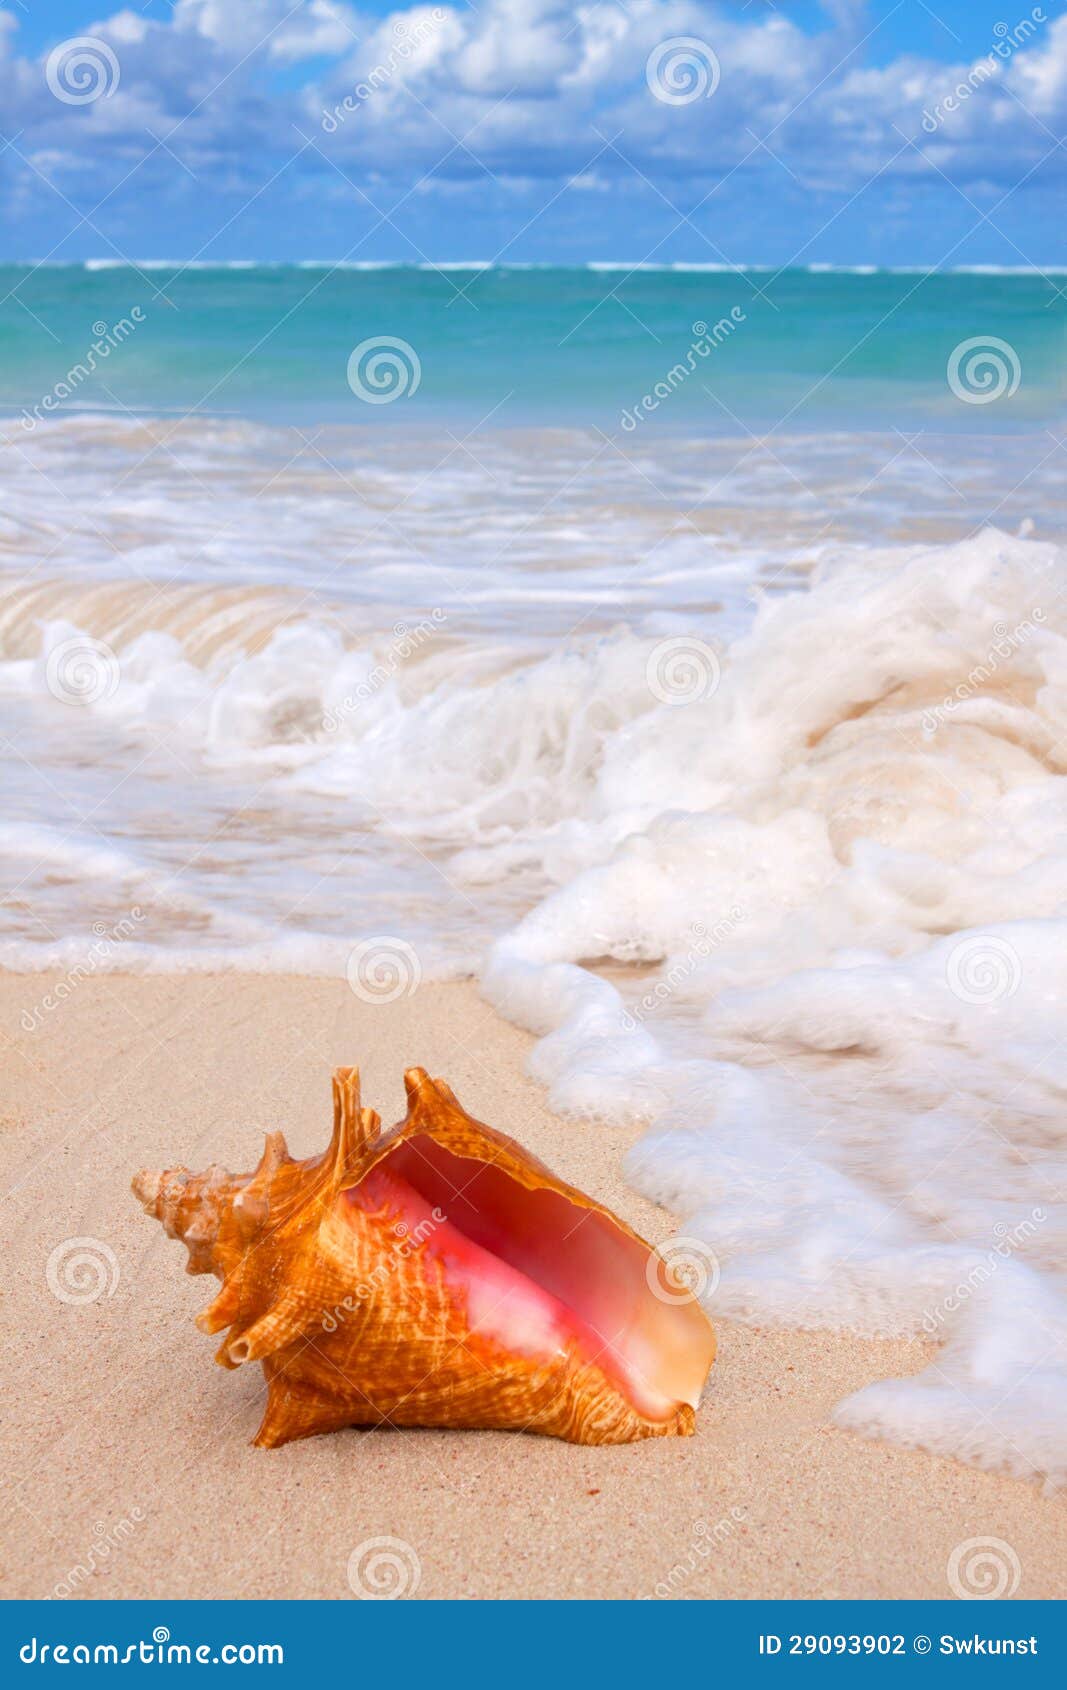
(434, 1276)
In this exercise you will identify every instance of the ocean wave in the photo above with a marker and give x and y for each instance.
(818, 831)
(593, 266)
(853, 894)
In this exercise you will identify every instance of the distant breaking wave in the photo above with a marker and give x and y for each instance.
(593, 266)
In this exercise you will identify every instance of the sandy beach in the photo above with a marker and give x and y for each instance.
(127, 1465)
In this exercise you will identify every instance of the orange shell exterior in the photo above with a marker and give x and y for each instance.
(344, 1343)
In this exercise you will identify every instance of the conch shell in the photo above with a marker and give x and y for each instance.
(434, 1276)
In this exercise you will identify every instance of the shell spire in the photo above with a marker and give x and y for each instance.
(438, 1275)
(354, 1129)
(275, 1155)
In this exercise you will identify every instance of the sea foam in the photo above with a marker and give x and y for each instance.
(847, 865)
(821, 841)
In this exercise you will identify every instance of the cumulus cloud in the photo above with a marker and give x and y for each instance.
(279, 28)
(244, 93)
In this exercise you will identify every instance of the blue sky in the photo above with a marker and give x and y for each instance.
(534, 130)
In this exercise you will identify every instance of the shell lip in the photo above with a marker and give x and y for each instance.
(541, 1268)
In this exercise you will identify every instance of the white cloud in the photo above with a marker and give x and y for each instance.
(284, 30)
(529, 89)
(1040, 74)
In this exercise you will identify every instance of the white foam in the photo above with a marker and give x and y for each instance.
(594, 265)
(841, 865)
(855, 889)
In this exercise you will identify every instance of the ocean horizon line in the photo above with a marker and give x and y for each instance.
(588, 266)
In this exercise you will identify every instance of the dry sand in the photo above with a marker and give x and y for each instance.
(121, 1431)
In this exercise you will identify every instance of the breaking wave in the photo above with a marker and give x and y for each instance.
(821, 841)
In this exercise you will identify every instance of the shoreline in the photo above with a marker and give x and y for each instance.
(127, 1449)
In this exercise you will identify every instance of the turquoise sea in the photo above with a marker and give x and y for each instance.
(804, 350)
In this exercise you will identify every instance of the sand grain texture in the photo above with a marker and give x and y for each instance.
(118, 1414)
